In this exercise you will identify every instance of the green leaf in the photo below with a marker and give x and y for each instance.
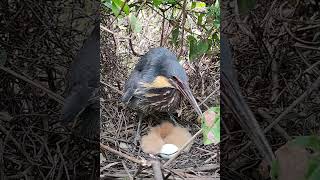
(245, 5)
(117, 5)
(200, 4)
(312, 142)
(314, 164)
(175, 35)
(172, 2)
(200, 19)
(275, 169)
(211, 126)
(197, 48)
(3, 57)
(192, 47)
(134, 24)
(157, 3)
(203, 47)
(107, 3)
(315, 174)
(193, 5)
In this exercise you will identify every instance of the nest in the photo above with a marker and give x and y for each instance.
(119, 123)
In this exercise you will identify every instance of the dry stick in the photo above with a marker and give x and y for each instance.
(268, 13)
(162, 32)
(132, 49)
(16, 143)
(313, 66)
(135, 160)
(314, 86)
(51, 94)
(298, 39)
(184, 16)
(182, 148)
(127, 170)
(277, 127)
(239, 23)
(2, 169)
(111, 32)
(157, 170)
(112, 87)
(300, 45)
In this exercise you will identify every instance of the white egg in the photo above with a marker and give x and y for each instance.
(168, 150)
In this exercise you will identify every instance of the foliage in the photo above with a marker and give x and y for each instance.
(313, 143)
(196, 24)
(245, 5)
(210, 125)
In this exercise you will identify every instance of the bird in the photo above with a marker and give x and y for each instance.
(157, 84)
(84, 81)
(233, 99)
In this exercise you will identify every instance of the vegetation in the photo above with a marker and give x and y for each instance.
(194, 24)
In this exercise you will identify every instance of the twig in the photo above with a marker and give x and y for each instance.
(184, 16)
(300, 45)
(162, 30)
(182, 148)
(156, 169)
(314, 86)
(132, 49)
(112, 87)
(133, 159)
(127, 170)
(240, 23)
(111, 32)
(298, 39)
(51, 94)
(278, 128)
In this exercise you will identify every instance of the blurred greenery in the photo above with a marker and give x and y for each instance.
(309, 142)
(210, 125)
(312, 143)
(200, 31)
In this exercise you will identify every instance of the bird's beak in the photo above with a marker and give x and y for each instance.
(186, 92)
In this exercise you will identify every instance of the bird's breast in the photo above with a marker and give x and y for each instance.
(163, 99)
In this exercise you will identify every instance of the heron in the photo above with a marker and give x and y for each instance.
(157, 83)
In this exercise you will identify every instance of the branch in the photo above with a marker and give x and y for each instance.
(133, 159)
(182, 148)
(184, 16)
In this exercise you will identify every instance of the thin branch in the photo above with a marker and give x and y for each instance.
(156, 166)
(184, 16)
(182, 148)
(133, 159)
(313, 87)
(111, 32)
(50, 93)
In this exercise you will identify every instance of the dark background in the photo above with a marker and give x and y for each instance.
(275, 48)
(38, 42)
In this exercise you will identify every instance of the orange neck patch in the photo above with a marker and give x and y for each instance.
(159, 82)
